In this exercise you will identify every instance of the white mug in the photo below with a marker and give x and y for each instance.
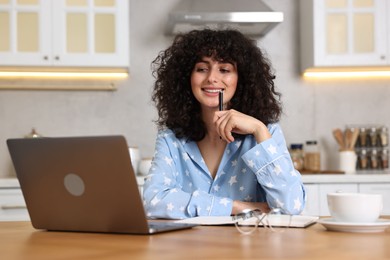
(355, 207)
(347, 161)
(135, 157)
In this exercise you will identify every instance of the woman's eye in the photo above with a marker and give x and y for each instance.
(224, 70)
(201, 69)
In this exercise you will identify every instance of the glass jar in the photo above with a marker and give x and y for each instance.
(374, 162)
(297, 156)
(312, 159)
(362, 137)
(362, 160)
(384, 136)
(373, 137)
(384, 158)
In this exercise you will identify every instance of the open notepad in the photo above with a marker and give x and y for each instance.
(297, 221)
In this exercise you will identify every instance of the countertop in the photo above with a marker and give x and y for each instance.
(18, 240)
(9, 183)
(359, 177)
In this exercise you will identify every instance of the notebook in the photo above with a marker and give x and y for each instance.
(84, 184)
(296, 221)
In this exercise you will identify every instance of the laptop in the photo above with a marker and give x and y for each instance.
(83, 184)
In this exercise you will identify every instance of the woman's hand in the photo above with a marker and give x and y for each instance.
(239, 206)
(232, 121)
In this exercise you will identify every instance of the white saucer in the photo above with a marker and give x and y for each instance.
(332, 225)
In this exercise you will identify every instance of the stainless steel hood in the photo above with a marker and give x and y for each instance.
(251, 17)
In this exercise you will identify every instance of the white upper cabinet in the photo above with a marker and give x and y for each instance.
(344, 33)
(64, 33)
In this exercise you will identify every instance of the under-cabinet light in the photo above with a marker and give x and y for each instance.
(55, 74)
(346, 74)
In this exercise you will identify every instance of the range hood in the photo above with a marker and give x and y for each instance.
(251, 17)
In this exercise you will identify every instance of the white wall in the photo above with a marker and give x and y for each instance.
(312, 109)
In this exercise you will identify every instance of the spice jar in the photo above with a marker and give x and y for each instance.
(362, 160)
(384, 136)
(373, 137)
(374, 162)
(312, 159)
(384, 158)
(362, 137)
(297, 156)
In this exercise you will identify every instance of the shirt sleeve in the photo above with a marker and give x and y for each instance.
(165, 197)
(275, 172)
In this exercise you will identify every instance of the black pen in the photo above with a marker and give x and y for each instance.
(220, 100)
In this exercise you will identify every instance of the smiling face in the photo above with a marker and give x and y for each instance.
(209, 77)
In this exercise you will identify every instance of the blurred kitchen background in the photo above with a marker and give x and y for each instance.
(312, 108)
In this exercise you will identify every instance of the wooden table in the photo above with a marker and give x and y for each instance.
(18, 240)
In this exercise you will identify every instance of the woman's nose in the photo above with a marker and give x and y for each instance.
(213, 76)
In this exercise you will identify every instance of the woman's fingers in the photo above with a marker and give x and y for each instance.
(221, 129)
(231, 121)
(227, 123)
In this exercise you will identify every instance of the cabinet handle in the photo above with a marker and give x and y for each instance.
(8, 207)
(45, 57)
(383, 57)
(57, 57)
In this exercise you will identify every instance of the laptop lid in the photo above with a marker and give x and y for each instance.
(80, 184)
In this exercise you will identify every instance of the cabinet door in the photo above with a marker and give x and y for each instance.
(90, 33)
(383, 189)
(355, 32)
(312, 207)
(329, 188)
(344, 33)
(25, 32)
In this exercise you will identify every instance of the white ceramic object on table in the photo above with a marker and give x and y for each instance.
(144, 166)
(135, 157)
(331, 224)
(355, 207)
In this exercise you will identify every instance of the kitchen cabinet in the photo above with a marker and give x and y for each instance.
(64, 33)
(340, 33)
(380, 188)
(312, 207)
(12, 205)
(317, 204)
(316, 194)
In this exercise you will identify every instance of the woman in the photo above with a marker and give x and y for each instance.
(211, 162)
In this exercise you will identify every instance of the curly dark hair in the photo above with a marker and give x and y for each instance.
(177, 107)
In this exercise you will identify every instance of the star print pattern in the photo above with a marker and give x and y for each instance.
(277, 170)
(234, 163)
(224, 201)
(170, 206)
(167, 181)
(168, 160)
(271, 149)
(185, 157)
(233, 180)
(180, 185)
(297, 204)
